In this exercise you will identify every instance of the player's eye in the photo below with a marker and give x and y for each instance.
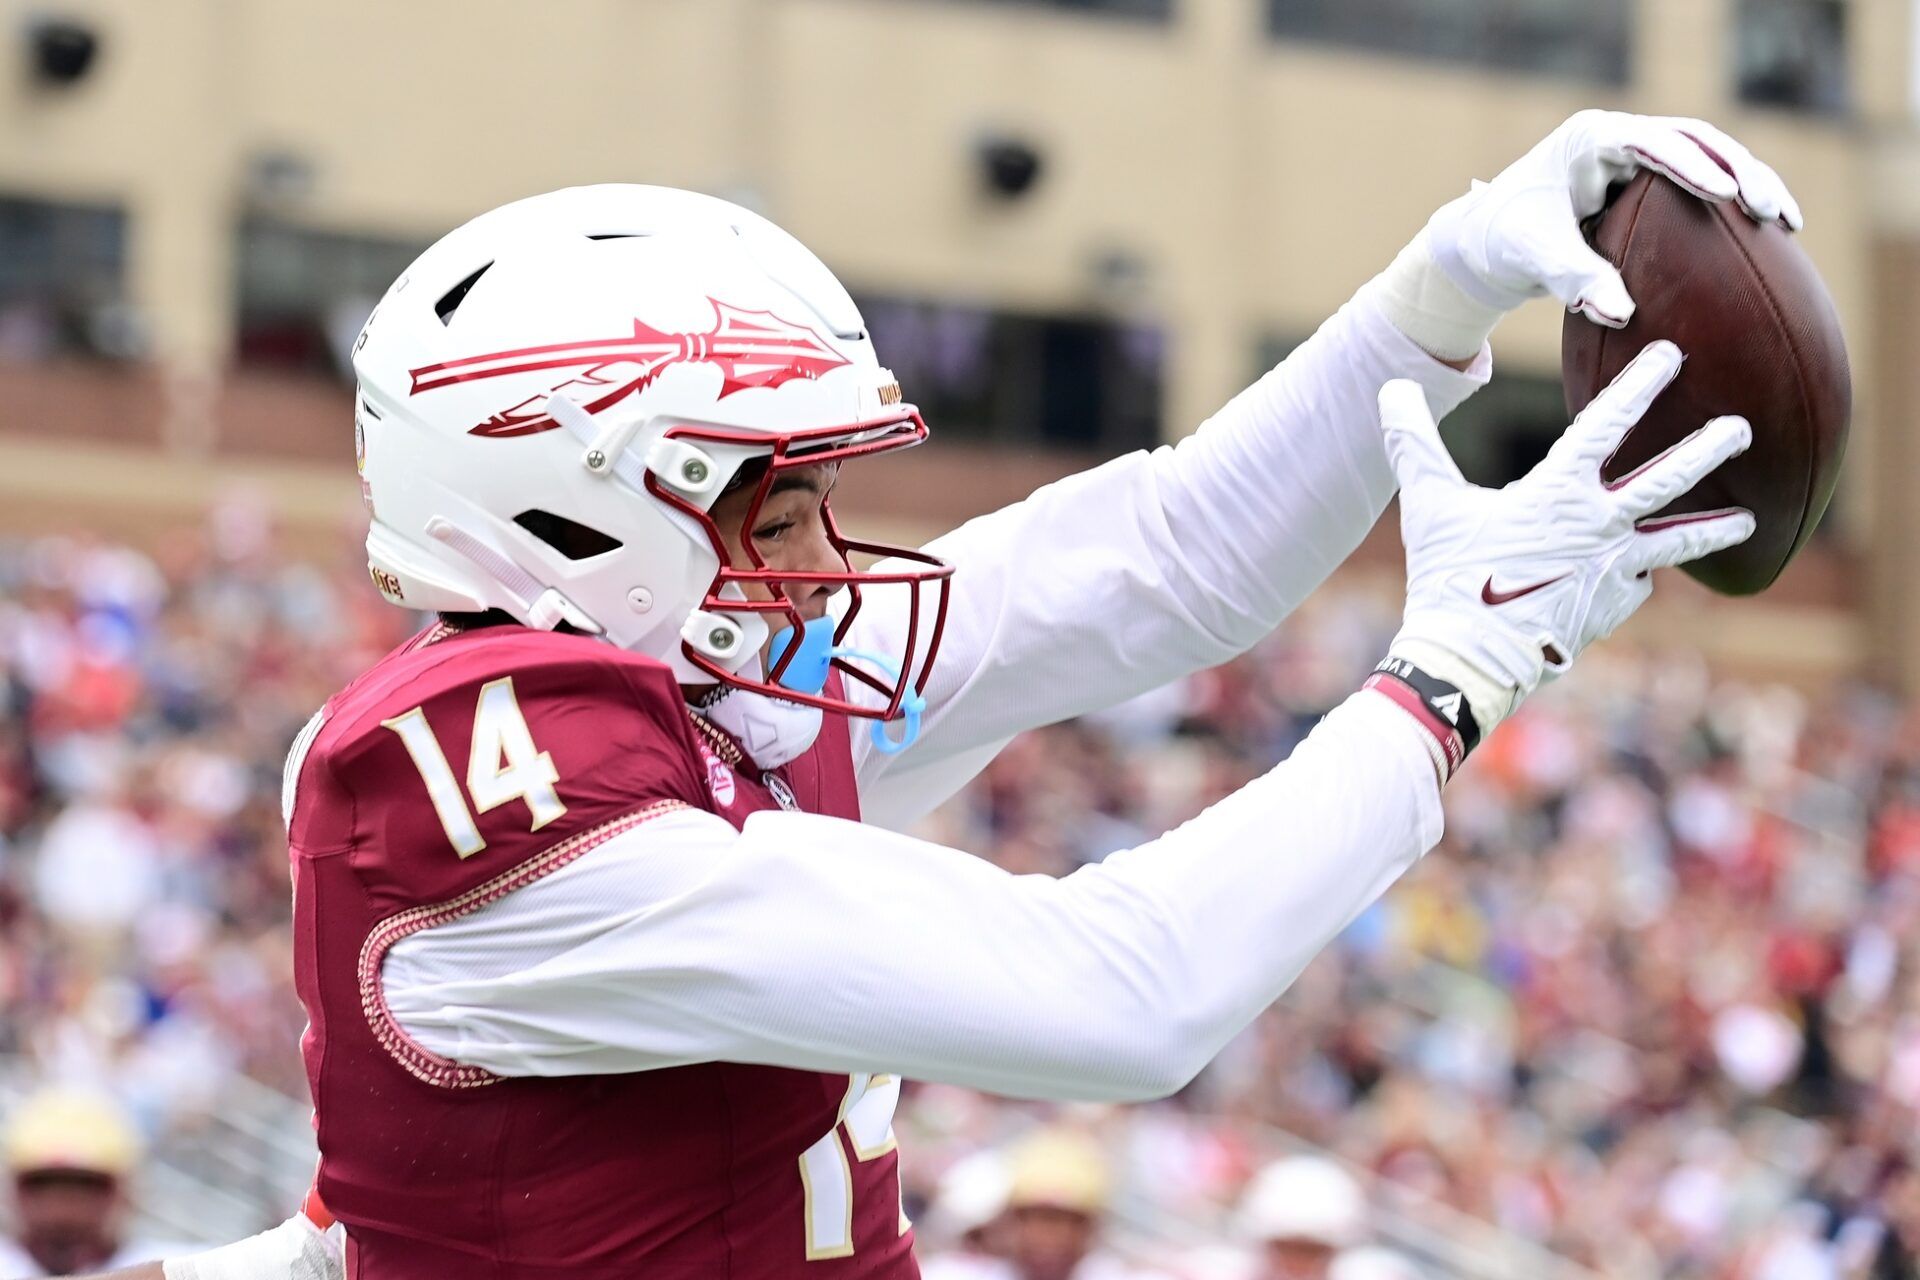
(772, 532)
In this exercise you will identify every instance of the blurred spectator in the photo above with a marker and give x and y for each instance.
(1654, 1003)
(1300, 1213)
(1057, 1190)
(146, 700)
(70, 1155)
(968, 1214)
(1656, 987)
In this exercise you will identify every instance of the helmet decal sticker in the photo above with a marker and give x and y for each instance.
(751, 348)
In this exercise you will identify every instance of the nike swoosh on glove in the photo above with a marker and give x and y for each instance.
(1505, 587)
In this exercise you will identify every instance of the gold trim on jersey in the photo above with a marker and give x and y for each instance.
(436, 633)
(728, 750)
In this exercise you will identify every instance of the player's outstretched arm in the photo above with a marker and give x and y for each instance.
(1115, 581)
(822, 944)
(816, 943)
(1118, 580)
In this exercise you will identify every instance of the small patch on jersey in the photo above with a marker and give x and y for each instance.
(719, 780)
(781, 792)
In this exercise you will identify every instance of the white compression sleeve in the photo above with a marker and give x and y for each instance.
(820, 944)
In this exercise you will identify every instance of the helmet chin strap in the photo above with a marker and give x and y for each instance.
(813, 659)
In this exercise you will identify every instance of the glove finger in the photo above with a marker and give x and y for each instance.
(1660, 480)
(1790, 212)
(1594, 146)
(1583, 281)
(1604, 423)
(1414, 448)
(1657, 145)
(1762, 192)
(1675, 540)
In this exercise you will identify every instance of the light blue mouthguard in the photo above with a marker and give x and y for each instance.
(813, 662)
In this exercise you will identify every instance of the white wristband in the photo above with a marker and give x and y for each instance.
(294, 1250)
(1424, 303)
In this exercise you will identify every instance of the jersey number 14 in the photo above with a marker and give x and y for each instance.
(503, 765)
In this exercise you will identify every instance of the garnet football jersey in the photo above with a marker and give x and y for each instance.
(815, 940)
(465, 766)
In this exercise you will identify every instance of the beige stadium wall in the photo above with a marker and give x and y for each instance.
(1259, 184)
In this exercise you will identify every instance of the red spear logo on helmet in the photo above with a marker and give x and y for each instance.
(752, 349)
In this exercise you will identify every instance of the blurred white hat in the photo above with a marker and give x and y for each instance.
(1374, 1263)
(972, 1193)
(1304, 1198)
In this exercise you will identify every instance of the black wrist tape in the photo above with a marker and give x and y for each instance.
(1441, 707)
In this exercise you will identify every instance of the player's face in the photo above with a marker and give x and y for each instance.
(68, 1221)
(789, 532)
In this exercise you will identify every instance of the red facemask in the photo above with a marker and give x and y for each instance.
(791, 451)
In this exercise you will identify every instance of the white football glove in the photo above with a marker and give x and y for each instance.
(1518, 237)
(1505, 587)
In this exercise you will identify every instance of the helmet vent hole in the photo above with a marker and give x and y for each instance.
(617, 235)
(450, 300)
(570, 538)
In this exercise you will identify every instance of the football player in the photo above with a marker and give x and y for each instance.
(613, 953)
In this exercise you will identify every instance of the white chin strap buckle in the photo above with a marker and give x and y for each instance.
(549, 609)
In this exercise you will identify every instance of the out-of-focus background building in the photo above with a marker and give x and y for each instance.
(1650, 1010)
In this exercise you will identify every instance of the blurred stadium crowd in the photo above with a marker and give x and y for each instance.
(1651, 1003)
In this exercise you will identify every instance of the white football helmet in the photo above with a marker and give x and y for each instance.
(602, 361)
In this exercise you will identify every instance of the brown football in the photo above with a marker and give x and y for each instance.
(1761, 339)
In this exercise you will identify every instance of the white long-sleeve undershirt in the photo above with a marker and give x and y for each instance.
(809, 942)
(1120, 579)
(829, 945)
